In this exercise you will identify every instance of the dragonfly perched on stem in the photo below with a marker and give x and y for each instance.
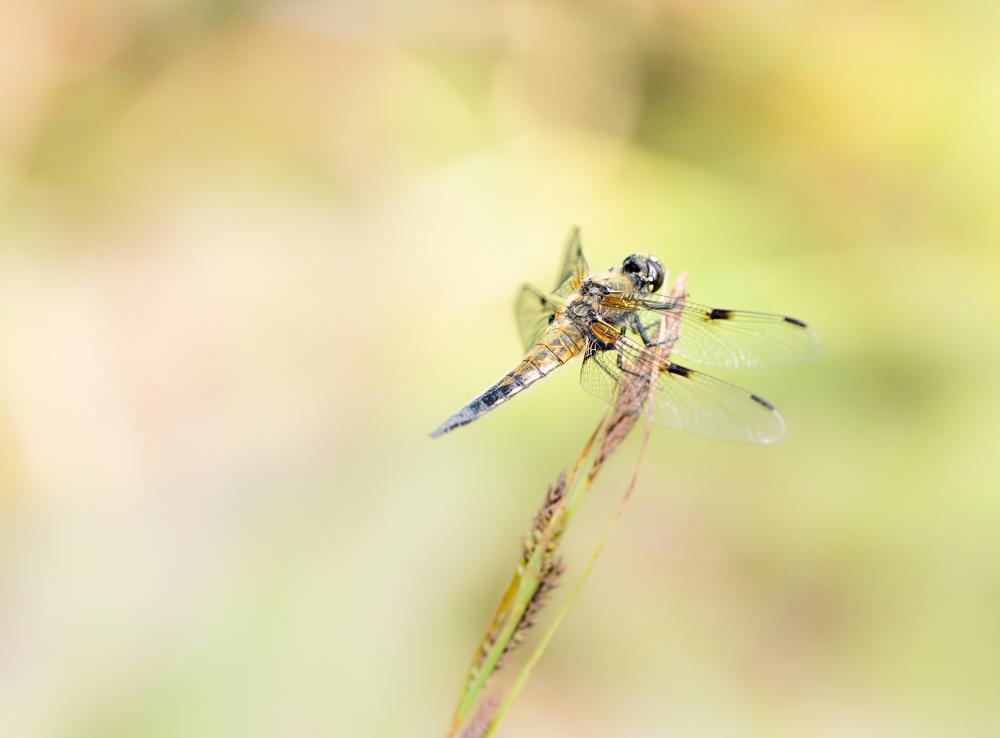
(609, 318)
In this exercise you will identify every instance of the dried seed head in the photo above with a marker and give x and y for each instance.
(552, 570)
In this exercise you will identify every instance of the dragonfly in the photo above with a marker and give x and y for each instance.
(610, 319)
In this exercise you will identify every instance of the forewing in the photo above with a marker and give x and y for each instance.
(687, 400)
(574, 267)
(534, 311)
(734, 338)
(700, 404)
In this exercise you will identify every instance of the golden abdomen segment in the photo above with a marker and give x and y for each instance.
(557, 346)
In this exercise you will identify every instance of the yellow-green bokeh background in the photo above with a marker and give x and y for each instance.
(253, 252)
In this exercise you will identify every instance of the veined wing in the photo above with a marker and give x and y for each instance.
(534, 312)
(574, 267)
(684, 399)
(729, 338)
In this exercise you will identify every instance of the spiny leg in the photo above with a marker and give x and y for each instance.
(620, 361)
(637, 326)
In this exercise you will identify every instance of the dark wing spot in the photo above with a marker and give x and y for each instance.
(678, 369)
(795, 321)
(720, 314)
(761, 401)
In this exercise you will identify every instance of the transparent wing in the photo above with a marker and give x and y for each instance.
(534, 311)
(574, 267)
(731, 338)
(685, 399)
(599, 374)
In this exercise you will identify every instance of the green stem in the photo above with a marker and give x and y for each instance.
(527, 580)
(530, 581)
(550, 631)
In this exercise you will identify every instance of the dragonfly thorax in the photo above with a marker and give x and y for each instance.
(597, 301)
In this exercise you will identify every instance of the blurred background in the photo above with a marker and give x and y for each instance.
(252, 252)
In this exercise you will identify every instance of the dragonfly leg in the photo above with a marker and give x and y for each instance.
(637, 325)
(620, 360)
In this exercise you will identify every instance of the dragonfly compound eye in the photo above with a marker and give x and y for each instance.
(655, 275)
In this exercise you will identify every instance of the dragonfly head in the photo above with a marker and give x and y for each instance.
(646, 272)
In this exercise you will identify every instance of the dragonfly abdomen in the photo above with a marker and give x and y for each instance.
(557, 346)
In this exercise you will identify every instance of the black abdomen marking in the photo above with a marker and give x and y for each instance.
(493, 397)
